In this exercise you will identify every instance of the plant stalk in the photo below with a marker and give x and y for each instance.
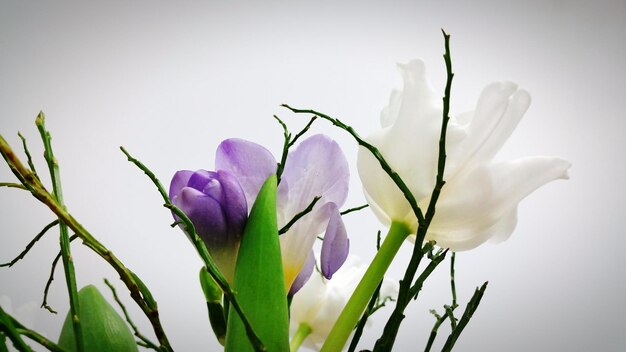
(353, 310)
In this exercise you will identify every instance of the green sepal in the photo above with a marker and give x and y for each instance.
(147, 295)
(212, 292)
(103, 329)
(259, 279)
(217, 320)
(213, 295)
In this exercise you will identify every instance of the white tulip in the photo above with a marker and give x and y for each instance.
(480, 197)
(320, 301)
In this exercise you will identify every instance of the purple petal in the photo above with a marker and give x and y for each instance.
(336, 245)
(206, 215)
(179, 181)
(233, 203)
(317, 167)
(304, 275)
(251, 163)
(200, 179)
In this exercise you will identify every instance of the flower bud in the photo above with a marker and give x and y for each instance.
(216, 205)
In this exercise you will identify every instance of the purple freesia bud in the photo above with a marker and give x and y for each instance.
(216, 205)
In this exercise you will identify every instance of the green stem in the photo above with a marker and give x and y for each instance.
(304, 330)
(9, 329)
(353, 310)
(68, 263)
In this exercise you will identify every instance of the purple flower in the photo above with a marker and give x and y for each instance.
(216, 205)
(317, 167)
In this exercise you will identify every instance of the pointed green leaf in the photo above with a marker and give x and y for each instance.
(103, 329)
(259, 279)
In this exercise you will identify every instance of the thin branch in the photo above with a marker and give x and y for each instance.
(35, 336)
(453, 290)
(433, 332)
(28, 157)
(146, 342)
(286, 141)
(302, 132)
(348, 211)
(472, 305)
(44, 304)
(450, 311)
(452, 285)
(299, 215)
(419, 282)
(13, 185)
(31, 244)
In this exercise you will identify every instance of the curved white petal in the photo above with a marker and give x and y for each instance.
(499, 109)
(381, 193)
(478, 206)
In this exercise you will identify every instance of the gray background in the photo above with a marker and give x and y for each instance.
(169, 81)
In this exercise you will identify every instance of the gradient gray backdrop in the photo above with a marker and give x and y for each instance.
(169, 80)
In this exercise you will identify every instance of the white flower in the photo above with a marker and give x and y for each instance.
(480, 197)
(319, 303)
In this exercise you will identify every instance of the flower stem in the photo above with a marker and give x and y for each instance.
(68, 262)
(353, 310)
(304, 330)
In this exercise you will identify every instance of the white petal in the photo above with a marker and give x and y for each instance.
(499, 109)
(381, 193)
(409, 146)
(390, 112)
(480, 205)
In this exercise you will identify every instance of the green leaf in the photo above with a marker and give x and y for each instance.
(103, 329)
(259, 279)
